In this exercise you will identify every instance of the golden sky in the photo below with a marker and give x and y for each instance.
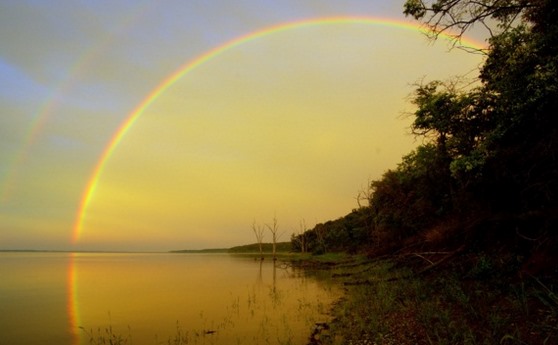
(290, 125)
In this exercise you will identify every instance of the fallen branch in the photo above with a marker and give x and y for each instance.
(444, 259)
(422, 257)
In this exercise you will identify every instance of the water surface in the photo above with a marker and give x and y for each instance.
(65, 298)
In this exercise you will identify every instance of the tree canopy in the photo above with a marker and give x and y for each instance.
(488, 152)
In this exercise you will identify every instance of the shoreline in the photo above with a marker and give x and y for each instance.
(388, 300)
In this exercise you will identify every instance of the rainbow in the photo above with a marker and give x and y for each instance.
(189, 66)
(55, 99)
(72, 302)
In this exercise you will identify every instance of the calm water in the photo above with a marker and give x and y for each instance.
(150, 298)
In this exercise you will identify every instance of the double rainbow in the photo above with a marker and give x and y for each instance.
(54, 101)
(189, 66)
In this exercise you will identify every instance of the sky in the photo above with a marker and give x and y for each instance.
(162, 125)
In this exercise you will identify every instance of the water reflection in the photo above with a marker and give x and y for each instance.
(204, 299)
(34, 299)
(73, 327)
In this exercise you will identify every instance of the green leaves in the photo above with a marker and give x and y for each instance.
(414, 8)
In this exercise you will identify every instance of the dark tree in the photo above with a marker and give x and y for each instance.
(456, 17)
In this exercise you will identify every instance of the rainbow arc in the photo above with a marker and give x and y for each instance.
(191, 65)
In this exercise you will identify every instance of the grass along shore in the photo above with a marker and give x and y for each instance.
(465, 301)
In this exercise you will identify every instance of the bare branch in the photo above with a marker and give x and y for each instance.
(259, 232)
(365, 193)
(300, 236)
(455, 17)
(274, 233)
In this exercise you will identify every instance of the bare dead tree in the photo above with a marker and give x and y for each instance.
(300, 236)
(259, 232)
(364, 194)
(275, 235)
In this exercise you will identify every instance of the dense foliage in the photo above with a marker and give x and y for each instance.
(488, 168)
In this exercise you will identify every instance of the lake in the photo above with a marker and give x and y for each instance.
(156, 298)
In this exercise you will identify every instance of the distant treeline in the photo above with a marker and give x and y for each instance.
(282, 247)
(201, 251)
